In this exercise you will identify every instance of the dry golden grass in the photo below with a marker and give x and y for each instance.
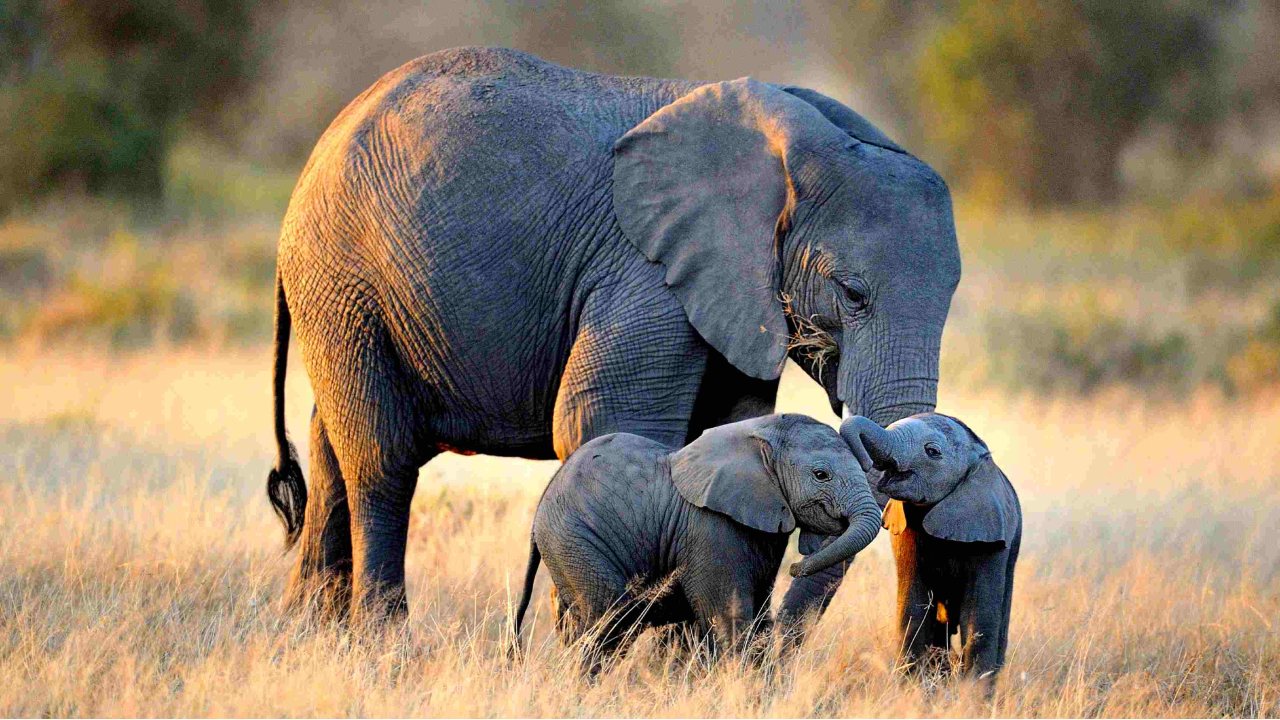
(140, 565)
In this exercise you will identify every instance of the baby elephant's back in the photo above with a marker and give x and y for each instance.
(611, 497)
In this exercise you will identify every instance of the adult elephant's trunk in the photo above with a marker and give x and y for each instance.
(886, 372)
(889, 370)
(863, 516)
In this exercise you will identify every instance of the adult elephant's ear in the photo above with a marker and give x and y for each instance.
(844, 117)
(702, 187)
(728, 470)
(982, 508)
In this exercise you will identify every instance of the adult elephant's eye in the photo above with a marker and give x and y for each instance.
(856, 292)
(821, 475)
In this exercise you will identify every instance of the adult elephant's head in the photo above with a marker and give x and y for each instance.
(788, 223)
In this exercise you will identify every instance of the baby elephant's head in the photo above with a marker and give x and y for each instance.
(777, 472)
(936, 462)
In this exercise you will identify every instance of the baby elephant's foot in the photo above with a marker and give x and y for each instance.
(930, 667)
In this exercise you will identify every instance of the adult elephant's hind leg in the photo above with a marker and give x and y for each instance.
(321, 578)
(372, 417)
(380, 489)
(379, 535)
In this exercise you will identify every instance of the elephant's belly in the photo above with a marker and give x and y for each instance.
(481, 388)
(532, 445)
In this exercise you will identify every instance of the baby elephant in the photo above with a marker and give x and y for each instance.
(956, 526)
(708, 524)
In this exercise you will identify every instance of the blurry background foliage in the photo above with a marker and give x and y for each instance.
(95, 92)
(1116, 165)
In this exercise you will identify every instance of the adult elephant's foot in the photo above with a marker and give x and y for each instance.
(380, 607)
(321, 597)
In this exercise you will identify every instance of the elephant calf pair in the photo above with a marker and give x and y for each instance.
(637, 535)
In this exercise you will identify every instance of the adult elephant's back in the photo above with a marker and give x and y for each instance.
(459, 209)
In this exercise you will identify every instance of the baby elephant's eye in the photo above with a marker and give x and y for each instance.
(932, 451)
(821, 475)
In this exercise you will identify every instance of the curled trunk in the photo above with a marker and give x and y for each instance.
(864, 524)
(870, 443)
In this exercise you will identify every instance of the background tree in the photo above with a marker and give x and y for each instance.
(92, 91)
(1029, 101)
(1035, 100)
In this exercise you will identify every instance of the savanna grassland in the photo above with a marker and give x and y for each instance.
(1123, 366)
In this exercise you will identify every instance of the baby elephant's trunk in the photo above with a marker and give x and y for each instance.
(864, 524)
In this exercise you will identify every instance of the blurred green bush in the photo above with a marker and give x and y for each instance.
(1036, 100)
(1160, 299)
(93, 92)
(1079, 350)
(99, 275)
(1255, 364)
(1074, 350)
(205, 181)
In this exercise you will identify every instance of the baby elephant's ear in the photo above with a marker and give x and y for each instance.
(728, 470)
(982, 508)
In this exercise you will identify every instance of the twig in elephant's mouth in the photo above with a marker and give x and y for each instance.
(808, 340)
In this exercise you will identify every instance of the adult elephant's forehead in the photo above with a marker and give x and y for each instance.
(875, 171)
(876, 217)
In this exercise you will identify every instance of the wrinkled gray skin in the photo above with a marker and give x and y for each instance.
(490, 253)
(956, 525)
(625, 513)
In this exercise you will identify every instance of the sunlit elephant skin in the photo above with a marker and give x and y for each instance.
(707, 524)
(956, 525)
(490, 253)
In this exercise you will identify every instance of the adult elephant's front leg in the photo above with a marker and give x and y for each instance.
(634, 367)
(727, 395)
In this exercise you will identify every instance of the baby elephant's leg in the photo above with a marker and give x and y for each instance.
(601, 615)
(923, 626)
(924, 622)
(727, 615)
(983, 620)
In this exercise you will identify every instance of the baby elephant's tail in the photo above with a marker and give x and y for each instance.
(530, 574)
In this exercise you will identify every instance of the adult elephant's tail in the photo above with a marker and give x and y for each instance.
(530, 574)
(285, 487)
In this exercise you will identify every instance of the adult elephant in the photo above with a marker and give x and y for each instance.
(490, 253)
